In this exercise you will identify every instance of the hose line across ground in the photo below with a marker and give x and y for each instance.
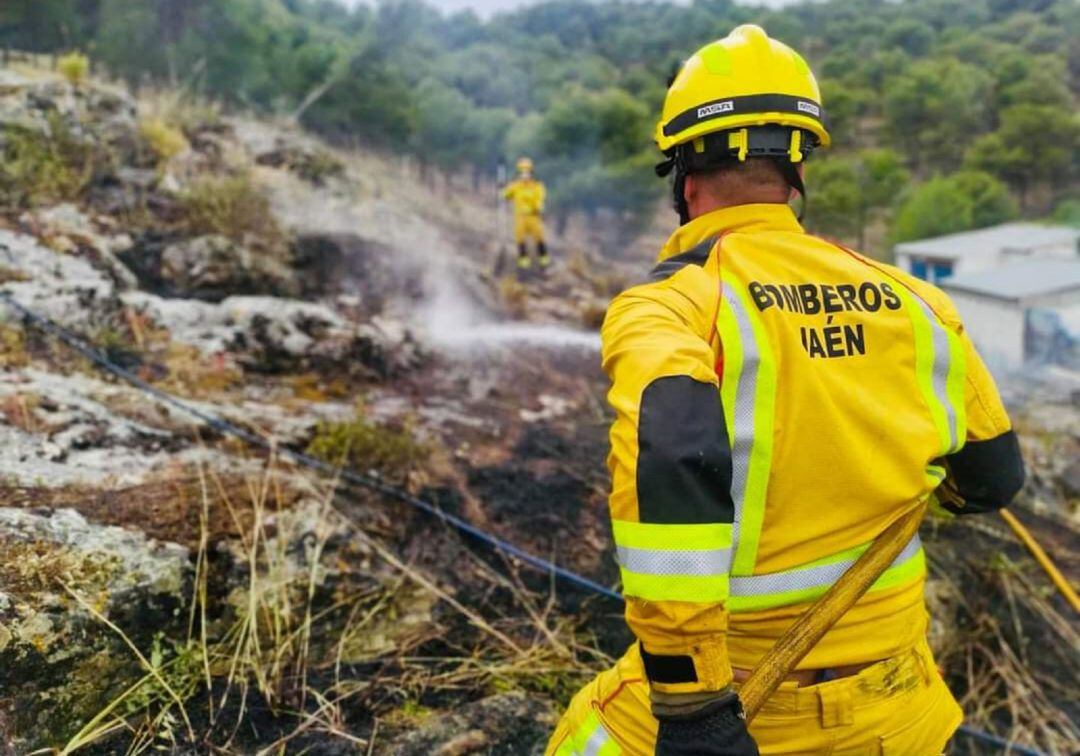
(370, 482)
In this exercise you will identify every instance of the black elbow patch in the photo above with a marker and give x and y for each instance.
(988, 474)
(684, 456)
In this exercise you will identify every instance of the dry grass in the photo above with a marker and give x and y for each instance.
(290, 650)
(181, 110)
(193, 374)
(1008, 658)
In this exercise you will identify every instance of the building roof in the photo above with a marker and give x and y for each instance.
(993, 240)
(1021, 280)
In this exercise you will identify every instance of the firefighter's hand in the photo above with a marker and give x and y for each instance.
(717, 729)
(948, 495)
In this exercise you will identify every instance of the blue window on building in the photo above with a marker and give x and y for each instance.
(931, 270)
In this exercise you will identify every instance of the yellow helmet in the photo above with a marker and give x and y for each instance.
(524, 165)
(743, 80)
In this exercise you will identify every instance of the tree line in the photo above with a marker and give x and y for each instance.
(947, 114)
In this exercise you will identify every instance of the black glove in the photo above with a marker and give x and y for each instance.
(717, 729)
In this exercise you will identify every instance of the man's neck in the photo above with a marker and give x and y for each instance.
(710, 204)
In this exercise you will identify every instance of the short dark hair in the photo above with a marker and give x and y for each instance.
(754, 172)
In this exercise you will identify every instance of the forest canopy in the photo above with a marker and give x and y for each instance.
(946, 114)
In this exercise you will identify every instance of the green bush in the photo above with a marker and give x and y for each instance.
(36, 168)
(1068, 212)
(74, 67)
(364, 445)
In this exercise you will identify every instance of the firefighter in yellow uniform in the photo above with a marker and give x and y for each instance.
(527, 195)
(780, 400)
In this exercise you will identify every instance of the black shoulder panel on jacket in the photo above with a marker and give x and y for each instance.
(987, 474)
(698, 255)
(684, 456)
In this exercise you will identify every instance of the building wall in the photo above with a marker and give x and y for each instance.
(1055, 301)
(996, 326)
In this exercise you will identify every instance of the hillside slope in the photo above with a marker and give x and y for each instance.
(165, 584)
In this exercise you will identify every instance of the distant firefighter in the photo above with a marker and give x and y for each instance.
(528, 194)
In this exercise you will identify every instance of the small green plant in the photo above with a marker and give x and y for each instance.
(361, 444)
(74, 67)
(165, 141)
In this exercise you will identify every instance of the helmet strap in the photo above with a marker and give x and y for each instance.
(682, 207)
(791, 175)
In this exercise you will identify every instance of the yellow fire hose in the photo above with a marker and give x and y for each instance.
(1041, 557)
(804, 634)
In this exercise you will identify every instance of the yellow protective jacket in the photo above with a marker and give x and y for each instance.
(527, 195)
(780, 401)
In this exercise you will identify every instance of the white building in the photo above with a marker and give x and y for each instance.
(985, 249)
(1022, 312)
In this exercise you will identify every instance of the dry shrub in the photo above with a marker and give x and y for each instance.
(75, 67)
(514, 295)
(13, 347)
(195, 375)
(231, 206)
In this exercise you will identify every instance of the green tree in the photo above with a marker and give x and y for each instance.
(1035, 144)
(913, 36)
(1068, 212)
(835, 206)
(936, 109)
(849, 192)
(947, 204)
(597, 146)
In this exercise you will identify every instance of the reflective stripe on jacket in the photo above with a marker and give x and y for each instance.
(779, 401)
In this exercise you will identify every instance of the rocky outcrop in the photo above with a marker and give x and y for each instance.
(274, 335)
(212, 268)
(60, 577)
(41, 103)
(67, 288)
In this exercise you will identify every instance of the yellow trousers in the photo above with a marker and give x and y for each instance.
(897, 707)
(528, 227)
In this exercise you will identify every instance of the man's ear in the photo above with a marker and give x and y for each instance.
(691, 188)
